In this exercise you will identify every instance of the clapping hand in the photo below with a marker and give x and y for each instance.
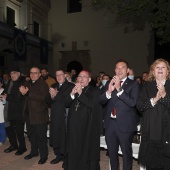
(77, 89)
(111, 86)
(114, 84)
(160, 93)
(23, 90)
(161, 90)
(53, 92)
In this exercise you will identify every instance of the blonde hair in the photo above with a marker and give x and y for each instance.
(151, 76)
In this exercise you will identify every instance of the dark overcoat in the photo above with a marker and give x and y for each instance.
(155, 124)
(83, 143)
(58, 114)
(15, 100)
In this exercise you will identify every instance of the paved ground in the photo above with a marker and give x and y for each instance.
(9, 161)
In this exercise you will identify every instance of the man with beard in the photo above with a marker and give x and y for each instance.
(46, 77)
(84, 122)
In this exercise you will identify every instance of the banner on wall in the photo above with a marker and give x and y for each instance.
(43, 51)
(19, 45)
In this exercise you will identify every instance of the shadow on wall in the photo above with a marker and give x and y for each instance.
(74, 65)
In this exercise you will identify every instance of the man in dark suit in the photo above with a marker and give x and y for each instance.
(57, 94)
(121, 116)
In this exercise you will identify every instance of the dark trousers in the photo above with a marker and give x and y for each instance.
(114, 138)
(57, 152)
(2, 133)
(86, 165)
(37, 134)
(16, 131)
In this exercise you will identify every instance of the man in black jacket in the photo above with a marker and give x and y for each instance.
(57, 94)
(121, 116)
(13, 109)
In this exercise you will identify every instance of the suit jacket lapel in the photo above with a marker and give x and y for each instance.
(63, 85)
(125, 83)
(124, 86)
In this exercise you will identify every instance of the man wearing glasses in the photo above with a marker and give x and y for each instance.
(36, 114)
(57, 94)
(84, 123)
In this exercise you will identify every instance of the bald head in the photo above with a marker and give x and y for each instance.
(84, 78)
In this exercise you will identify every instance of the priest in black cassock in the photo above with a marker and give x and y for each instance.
(84, 122)
(57, 93)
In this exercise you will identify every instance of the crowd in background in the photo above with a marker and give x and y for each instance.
(82, 108)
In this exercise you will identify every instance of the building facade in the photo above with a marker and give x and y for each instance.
(61, 34)
(24, 31)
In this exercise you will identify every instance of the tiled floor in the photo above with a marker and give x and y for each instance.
(8, 161)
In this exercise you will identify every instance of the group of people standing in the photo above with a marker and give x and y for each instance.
(123, 98)
(76, 117)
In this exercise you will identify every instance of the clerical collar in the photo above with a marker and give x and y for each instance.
(85, 87)
(33, 81)
(60, 84)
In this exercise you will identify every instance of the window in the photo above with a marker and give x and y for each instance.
(11, 16)
(36, 29)
(74, 6)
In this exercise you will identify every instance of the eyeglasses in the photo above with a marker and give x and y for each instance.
(34, 73)
(57, 75)
(13, 72)
(83, 77)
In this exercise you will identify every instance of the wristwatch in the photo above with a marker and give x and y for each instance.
(120, 89)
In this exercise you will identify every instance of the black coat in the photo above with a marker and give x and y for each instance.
(58, 113)
(15, 100)
(154, 122)
(83, 143)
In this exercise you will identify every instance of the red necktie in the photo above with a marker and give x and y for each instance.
(114, 109)
(121, 83)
